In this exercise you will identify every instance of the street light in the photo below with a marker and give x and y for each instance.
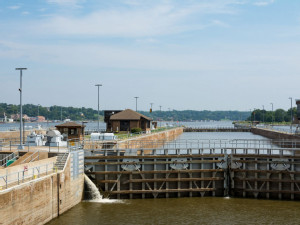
(136, 98)
(291, 113)
(160, 115)
(272, 113)
(21, 112)
(263, 114)
(38, 113)
(98, 85)
(151, 107)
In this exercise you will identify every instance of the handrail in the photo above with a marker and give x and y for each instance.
(6, 158)
(21, 176)
(38, 151)
(15, 157)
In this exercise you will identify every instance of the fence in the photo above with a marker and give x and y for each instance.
(24, 175)
(235, 146)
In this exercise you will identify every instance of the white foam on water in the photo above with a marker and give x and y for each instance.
(95, 194)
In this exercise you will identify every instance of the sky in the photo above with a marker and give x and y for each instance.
(177, 54)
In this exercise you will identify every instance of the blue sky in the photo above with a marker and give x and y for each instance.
(188, 54)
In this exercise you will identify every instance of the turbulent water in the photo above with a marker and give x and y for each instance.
(207, 210)
(91, 190)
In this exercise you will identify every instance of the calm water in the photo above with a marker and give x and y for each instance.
(206, 210)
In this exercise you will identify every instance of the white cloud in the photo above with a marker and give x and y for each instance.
(157, 19)
(14, 7)
(65, 2)
(264, 3)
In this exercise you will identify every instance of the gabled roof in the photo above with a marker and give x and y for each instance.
(69, 124)
(128, 114)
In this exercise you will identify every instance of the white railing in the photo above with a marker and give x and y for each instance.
(27, 174)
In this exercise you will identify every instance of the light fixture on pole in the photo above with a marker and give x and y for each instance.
(21, 112)
(98, 85)
(263, 113)
(38, 113)
(291, 113)
(151, 107)
(160, 115)
(272, 113)
(136, 98)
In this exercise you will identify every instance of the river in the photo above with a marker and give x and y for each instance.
(207, 210)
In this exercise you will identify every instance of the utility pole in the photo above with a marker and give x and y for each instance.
(160, 115)
(263, 113)
(38, 113)
(61, 113)
(98, 85)
(151, 107)
(272, 113)
(21, 112)
(136, 98)
(291, 114)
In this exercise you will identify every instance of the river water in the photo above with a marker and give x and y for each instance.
(207, 210)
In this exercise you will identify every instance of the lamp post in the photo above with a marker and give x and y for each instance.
(38, 113)
(136, 98)
(291, 113)
(98, 85)
(272, 113)
(21, 112)
(160, 115)
(263, 114)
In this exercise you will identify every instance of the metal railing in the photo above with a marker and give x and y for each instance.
(11, 145)
(12, 156)
(31, 157)
(218, 146)
(25, 175)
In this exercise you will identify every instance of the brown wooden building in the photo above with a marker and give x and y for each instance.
(126, 120)
(72, 130)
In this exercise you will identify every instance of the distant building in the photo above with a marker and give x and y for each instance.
(17, 117)
(107, 115)
(126, 120)
(38, 119)
(71, 130)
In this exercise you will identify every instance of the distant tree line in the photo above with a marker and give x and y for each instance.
(73, 113)
(279, 115)
(54, 113)
(50, 113)
(192, 115)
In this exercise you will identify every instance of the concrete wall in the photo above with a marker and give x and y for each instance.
(272, 134)
(159, 137)
(40, 200)
(16, 134)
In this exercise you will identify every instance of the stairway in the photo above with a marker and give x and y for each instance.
(61, 160)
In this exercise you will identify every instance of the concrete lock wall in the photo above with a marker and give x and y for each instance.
(141, 142)
(40, 200)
